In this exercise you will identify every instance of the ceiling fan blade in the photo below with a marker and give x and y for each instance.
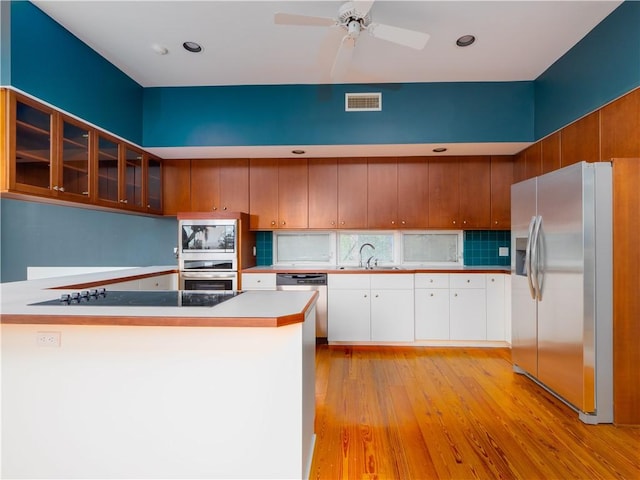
(343, 59)
(292, 19)
(401, 36)
(363, 6)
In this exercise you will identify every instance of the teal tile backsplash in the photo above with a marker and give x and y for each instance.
(480, 247)
(264, 248)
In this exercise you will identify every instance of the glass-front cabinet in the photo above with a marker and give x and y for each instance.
(32, 146)
(53, 155)
(73, 167)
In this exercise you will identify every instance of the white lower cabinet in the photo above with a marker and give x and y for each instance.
(258, 281)
(432, 306)
(370, 307)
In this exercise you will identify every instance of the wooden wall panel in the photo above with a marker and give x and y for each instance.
(620, 127)
(501, 179)
(550, 147)
(626, 291)
(533, 163)
(519, 167)
(581, 140)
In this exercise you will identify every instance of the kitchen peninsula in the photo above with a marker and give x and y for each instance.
(156, 392)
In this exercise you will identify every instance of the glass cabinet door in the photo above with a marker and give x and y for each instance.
(133, 178)
(107, 169)
(154, 184)
(33, 146)
(74, 160)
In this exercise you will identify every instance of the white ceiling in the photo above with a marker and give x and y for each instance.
(516, 40)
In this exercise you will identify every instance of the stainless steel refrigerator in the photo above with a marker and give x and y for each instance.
(562, 276)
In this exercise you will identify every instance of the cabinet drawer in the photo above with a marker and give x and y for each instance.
(474, 280)
(393, 281)
(349, 281)
(258, 281)
(432, 280)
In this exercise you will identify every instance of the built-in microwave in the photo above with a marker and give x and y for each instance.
(208, 236)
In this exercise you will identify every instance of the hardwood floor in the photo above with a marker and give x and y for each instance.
(424, 412)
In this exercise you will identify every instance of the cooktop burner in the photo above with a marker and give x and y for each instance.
(164, 298)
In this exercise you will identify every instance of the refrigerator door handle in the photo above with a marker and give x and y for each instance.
(527, 258)
(535, 251)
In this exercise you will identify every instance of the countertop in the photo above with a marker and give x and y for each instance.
(250, 309)
(382, 269)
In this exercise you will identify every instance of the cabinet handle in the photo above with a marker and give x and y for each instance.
(224, 208)
(431, 294)
(377, 295)
(273, 222)
(454, 222)
(85, 193)
(284, 223)
(333, 222)
(493, 279)
(468, 281)
(393, 222)
(215, 208)
(124, 201)
(403, 222)
(496, 222)
(464, 222)
(342, 223)
(455, 294)
(365, 295)
(61, 189)
(259, 281)
(431, 280)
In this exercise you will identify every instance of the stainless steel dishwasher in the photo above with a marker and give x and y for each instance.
(309, 281)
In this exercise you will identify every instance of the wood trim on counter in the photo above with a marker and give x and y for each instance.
(153, 321)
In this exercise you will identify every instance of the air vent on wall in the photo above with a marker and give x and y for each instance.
(363, 102)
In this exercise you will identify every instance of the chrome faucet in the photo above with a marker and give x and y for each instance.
(365, 245)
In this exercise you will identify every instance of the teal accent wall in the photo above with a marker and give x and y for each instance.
(603, 66)
(264, 248)
(5, 43)
(53, 65)
(315, 114)
(43, 235)
(480, 247)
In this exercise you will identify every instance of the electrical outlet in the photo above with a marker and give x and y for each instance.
(503, 251)
(48, 339)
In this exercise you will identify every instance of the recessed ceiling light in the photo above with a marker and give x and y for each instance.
(192, 47)
(465, 40)
(160, 49)
(439, 149)
(298, 152)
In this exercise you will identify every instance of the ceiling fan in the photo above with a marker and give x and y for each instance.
(354, 17)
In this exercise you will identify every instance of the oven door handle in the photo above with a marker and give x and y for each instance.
(199, 275)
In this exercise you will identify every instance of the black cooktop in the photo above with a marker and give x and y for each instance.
(160, 298)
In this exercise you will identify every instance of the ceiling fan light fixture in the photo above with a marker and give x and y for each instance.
(465, 40)
(192, 47)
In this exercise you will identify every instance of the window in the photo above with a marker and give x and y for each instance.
(349, 245)
(422, 248)
(293, 247)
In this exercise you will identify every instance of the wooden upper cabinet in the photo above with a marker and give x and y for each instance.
(620, 127)
(413, 192)
(550, 152)
(352, 193)
(234, 185)
(323, 193)
(278, 193)
(444, 193)
(263, 193)
(501, 180)
(475, 192)
(382, 188)
(580, 141)
(176, 186)
(533, 162)
(153, 184)
(293, 200)
(220, 185)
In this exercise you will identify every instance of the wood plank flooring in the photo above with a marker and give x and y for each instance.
(458, 413)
